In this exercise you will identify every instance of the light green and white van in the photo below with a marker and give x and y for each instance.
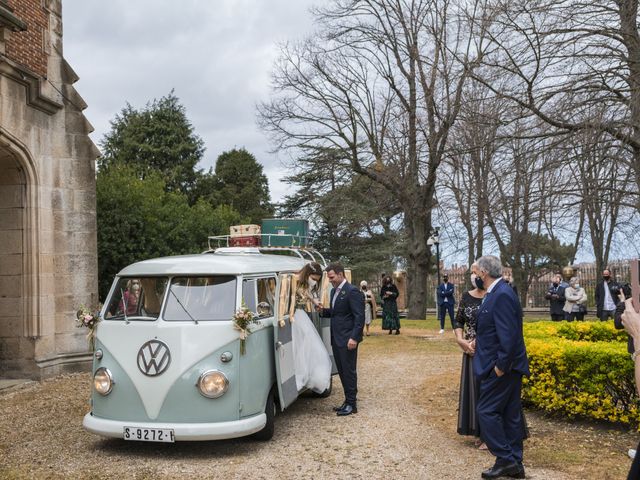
(167, 363)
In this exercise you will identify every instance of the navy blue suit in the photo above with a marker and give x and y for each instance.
(347, 322)
(499, 343)
(446, 302)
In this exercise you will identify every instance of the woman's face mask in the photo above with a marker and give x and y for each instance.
(477, 282)
(312, 282)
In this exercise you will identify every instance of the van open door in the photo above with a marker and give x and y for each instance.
(283, 344)
(324, 323)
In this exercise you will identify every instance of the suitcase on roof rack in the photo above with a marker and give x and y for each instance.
(250, 241)
(244, 230)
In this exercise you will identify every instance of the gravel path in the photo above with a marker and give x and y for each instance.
(395, 434)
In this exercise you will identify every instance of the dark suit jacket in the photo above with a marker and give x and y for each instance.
(556, 305)
(445, 290)
(600, 296)
(347, 315)
(499, 340)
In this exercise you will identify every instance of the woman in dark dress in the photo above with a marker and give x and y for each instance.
(388, 294)
(464, 327)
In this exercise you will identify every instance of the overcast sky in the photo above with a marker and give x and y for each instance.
(216, 54)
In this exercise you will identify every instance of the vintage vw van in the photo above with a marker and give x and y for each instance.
(167, 364)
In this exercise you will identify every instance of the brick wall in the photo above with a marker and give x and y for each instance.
(28, 48)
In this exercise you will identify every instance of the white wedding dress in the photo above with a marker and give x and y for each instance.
(311, 360)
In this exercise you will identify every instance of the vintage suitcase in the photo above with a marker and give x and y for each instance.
(251, 241)
(285, 232)
(244, 230)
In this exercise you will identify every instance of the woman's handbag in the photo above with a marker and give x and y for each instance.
(582, 308)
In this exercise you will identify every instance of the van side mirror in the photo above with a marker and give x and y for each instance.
(264, 310)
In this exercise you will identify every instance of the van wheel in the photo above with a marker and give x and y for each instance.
(270, 410)
(327, 392)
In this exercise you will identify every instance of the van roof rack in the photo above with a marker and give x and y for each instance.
(302, 251)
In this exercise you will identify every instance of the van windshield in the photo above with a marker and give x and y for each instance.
(201, 299)
(136, 298)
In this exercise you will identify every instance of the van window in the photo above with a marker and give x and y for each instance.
(137, 297)
(201, 299)
(249, 294)
(266, 296)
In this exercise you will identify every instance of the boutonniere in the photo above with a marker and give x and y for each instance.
(342, 294)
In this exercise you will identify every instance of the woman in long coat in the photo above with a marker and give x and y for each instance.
(389, 295)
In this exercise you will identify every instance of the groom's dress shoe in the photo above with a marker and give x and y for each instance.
(346, 410)
(335, 409)
(510, 470)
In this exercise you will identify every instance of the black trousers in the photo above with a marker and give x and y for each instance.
(607, 314)
(347, 362)
(557, 317)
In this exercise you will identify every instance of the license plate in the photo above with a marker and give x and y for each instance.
(148, 434)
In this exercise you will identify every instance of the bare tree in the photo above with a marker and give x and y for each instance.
(563, 59)
(599, 177)
(469, 162)
(383, 85)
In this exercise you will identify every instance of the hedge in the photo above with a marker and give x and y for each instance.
(581, 369)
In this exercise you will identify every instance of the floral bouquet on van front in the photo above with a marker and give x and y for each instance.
(86, 318)
(242, 319)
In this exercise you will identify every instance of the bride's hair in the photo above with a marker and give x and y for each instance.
(309, 269)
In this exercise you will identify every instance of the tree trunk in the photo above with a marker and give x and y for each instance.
(418, 227)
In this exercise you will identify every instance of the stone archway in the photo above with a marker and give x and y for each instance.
(18, 264)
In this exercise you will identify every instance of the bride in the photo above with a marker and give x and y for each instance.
(312, 361)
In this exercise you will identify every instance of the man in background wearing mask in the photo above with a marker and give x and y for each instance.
(606, 300)
(556, 298)
(499, 362)
(446, 301)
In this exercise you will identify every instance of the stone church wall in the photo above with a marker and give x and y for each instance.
(47, 200)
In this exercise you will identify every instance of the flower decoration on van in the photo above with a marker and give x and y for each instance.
(242, 320)
(87, 318)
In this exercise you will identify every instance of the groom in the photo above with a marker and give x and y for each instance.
(347, 321)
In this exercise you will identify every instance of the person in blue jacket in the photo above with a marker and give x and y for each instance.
(446, 302)
(499, 362)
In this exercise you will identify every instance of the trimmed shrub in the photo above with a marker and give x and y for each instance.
(581, 369)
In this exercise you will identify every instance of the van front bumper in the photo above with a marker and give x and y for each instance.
(182, 431)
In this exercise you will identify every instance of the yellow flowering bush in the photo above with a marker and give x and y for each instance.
(581, 369)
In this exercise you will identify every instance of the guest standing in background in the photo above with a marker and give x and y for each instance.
(575, 305)
(370, 306)
(606, 300)
(464, 327)
(446, 302)
(390, 317)
(555, 295)
(507, 277)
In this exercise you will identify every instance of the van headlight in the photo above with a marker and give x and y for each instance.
(213, 383)
(103, 381)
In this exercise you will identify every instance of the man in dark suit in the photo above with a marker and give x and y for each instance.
(499, 363)
(606, 296)
(556, 298)
(347, 321)
(446, 302)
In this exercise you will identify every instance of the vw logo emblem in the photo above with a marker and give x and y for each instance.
(154, 358)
